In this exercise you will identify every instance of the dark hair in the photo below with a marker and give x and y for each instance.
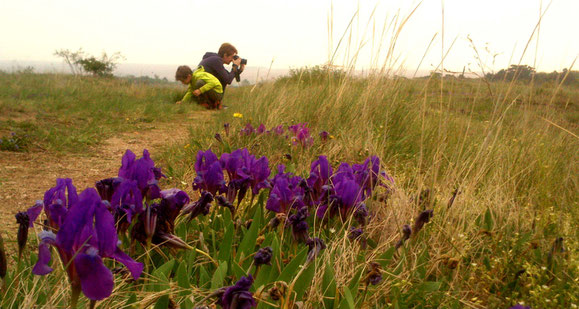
(183, 72)
(226, 48)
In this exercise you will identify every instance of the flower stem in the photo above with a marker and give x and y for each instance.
(291, 286)
(75, 293)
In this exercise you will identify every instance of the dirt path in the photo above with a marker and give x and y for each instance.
(24, 177)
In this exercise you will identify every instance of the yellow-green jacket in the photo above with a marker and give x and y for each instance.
(211, 83)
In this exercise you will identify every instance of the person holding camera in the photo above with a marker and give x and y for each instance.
(213, 64)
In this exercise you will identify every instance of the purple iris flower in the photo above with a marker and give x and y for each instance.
(209, 173)
(157, 223)
(238, 296)
(248, 130)
(234, 164)
(320, 173)
(261, 129)
(519, 306)
(301, 135)
(258, 174)
(299, 224)
(344, 200)
(245, 170)
(57, 201)
(143, 171)
(348, 193)
(107, 187)
(278, 130)
(126, 202)
(263, 256)
(172, 201)
(86, 236)
(324, 135)
(368, 175)
(286, 192)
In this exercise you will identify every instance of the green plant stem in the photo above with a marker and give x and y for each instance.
(291, 286)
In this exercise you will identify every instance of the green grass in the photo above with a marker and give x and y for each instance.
(512, 167)
(511, 155)
(63, 113)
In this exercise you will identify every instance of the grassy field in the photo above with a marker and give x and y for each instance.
(62, 113)
(497, 163)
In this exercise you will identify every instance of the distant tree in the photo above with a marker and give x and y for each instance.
(245, 82)
(79, 62)
(72, 59)
(522, 72)
(570, 77)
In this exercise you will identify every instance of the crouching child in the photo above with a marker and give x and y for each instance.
(203, 87)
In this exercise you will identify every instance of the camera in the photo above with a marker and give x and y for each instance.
(243, 61)
(238, 70)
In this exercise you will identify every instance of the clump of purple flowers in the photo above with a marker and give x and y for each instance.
(209, 174)
(135, 193)
(301, 135)
(286, 192)
(349, 186)
(244, 172)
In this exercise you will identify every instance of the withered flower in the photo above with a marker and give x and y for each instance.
(315, 245)
(218, 137)
(374, 275)
(201, 206)
(275, 221)
(223, 202)
(263, 256)
(421, 220)
(406, 232)
(23, 221)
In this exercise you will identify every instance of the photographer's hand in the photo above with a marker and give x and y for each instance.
(242, 67)
(237, 61)
(197, 92)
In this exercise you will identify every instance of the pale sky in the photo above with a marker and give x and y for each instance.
(295, 33)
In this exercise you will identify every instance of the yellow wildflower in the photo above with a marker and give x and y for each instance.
(237, 115)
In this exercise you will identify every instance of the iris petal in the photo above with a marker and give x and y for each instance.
(134, 267)
(96, 279)
(78, 217)
(128, 161)
(105, 230)
(33, 213)
(41, 267)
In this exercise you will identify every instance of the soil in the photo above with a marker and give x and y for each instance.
(24, 177)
